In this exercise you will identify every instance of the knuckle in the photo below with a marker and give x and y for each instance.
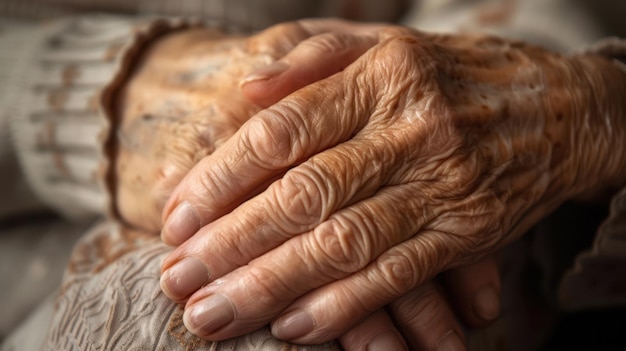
(300, 199)
(402, 47)
(207, 187)
(339, 242)
(474, 224)
(270, 139)
(278, 39)
(398, 274)
(395, 31)
(401, 60)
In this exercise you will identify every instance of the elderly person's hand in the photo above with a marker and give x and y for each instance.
(179, 104)
(182, 101)
(425, 153)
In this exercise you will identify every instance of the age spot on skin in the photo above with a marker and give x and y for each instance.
(408, 40)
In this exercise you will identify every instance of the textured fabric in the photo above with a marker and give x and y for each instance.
(34, 251)
(58, 130)
(65, 120)
(241, 15)
(110, 299)
(15, 47)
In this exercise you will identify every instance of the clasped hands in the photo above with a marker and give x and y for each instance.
(382, 157)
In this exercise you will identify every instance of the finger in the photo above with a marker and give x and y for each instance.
(263, 148)
(329, 311)
(376, 333)
(305, 197)
(280, 39)
(311, 60)
(347, 242)
(338, 248)
(475, 291)
(426, 320)
(318, 117)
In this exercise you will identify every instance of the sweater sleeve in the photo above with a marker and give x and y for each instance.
(62, 125)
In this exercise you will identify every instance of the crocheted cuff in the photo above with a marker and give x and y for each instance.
(63, 133)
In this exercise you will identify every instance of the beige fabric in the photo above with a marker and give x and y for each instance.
(241, 15)
(15, 47)
(56, 132)
(32, 260)
(111, 300)
(61, 131)
(559, 24)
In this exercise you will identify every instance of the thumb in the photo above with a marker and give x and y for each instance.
(324, 49)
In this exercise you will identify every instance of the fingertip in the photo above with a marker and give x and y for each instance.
(450, 342)
(264, 74)
(487, 303)
(180, 224)
(293, 326)
(475, 289)
(385, 341)
(268, 85)
(376, 332)
(312, 60)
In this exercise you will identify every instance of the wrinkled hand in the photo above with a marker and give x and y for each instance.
(182, 101)
(424, 154)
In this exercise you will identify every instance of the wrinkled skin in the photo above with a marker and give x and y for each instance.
(423, 154)
(183, 101)
(182, 92)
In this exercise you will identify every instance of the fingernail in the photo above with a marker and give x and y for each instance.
(265, 73)
(182, 223)
(487, 303)
(184, 278)
(450, 342)
(293, 325)
(209, 315)
(385, 342)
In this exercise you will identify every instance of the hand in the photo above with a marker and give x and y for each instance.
(191, 109)
(180, 103)
(425, 153)
(425, 318)
(194, 105)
